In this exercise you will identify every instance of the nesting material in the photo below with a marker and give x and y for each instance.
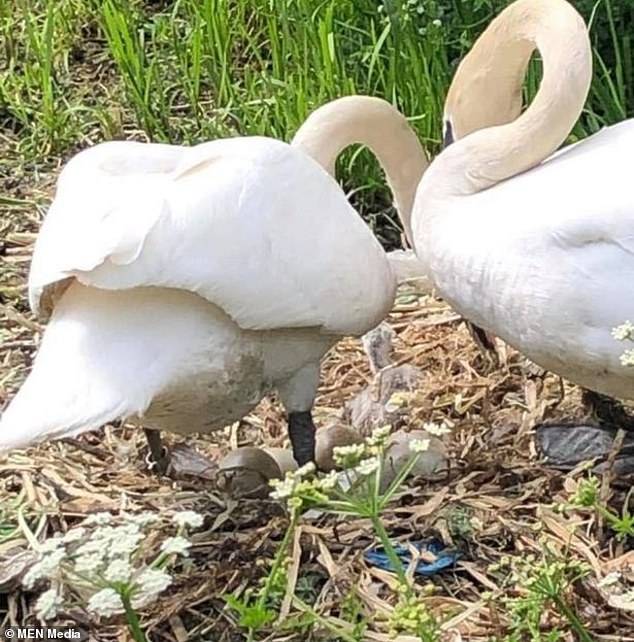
(494, 505)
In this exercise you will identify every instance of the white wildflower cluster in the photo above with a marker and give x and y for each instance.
(73, 535)
(45, 568)
(105, 603)
(437, 430)
(103, 554)
(188, 519)
(363, 454)
(379, 437)
(330, 481)
(300, 488)
(368, 466)
(283, 488)
(625, 332)
(105, 544)
(178, 545)
(149, 584)
(119, 570)
(627, 358)
(364, 459)
(419, 445)
(348, 456)
(48, 604)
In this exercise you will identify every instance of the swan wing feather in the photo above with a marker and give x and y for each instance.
(251, 224)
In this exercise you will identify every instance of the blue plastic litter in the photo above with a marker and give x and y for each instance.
(445, 558)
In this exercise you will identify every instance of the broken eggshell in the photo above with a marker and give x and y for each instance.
(246, 472)
(284, 458)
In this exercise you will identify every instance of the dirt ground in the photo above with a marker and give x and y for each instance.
(496, 505)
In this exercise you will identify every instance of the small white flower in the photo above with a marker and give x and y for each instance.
(329, 481)
(73, 535)
(118, 571)
(367, 466)
(283, 488)
(98, 519)
(105, 603)
(627, 358)
(188, 518)
(125, 541)
(46, 567)
(150, 583)
(48, 604)
(381, 432)
(178, 545)
(50, 545)
(89, 562)
(345, 455)
(93, 546)
(306, 469)
(436, 429)
(419, 445)
(103, 535)
(623, 331)
(437, 23)
(352, 449)
(379, 436)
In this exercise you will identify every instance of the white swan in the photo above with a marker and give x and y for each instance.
(183, 284)
(539, 253)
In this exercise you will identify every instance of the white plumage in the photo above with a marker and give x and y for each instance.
(545, 258)
(183, 284)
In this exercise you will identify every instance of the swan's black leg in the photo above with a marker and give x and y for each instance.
(301, 431)
(157, 459)
(608, 410)
(484, 341)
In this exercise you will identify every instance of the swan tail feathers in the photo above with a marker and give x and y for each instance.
(33, 416)
(78, 380)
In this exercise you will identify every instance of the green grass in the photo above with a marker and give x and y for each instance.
(74, 72)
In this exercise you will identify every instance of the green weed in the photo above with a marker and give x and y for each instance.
(587, 496)
(192, 70)
(545, 583)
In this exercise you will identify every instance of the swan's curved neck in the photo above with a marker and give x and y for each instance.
(497, 64)
(375, 123)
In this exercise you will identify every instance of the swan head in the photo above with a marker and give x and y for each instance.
(486, 89)
(477, 100)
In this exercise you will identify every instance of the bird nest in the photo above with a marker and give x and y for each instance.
(497, 504)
